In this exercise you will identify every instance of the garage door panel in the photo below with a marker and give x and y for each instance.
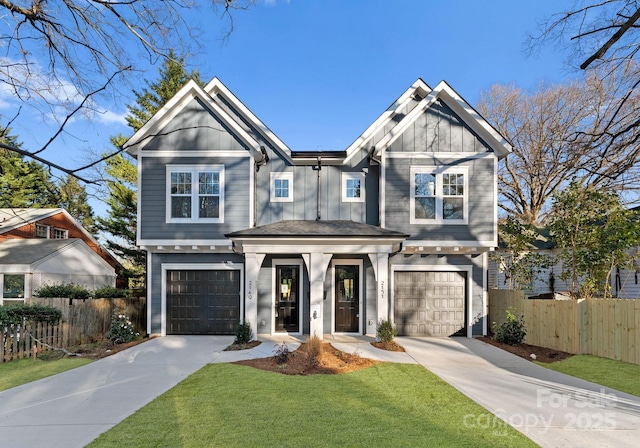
(203, 302)
(429, 303)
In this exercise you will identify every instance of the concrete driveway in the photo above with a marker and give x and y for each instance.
(73, 408)
(552, 409)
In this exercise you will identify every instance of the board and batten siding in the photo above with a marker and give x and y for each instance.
(153, 201)
(480, 196)
(195, 128)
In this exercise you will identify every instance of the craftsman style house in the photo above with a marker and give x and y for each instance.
(238, 227)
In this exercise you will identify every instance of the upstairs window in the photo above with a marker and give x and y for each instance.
(42, 231)
(60, 234)
(438, 195)
(281, 187)
(352, 187)
(195, 193)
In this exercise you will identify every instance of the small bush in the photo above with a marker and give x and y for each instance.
(244, 333)
(512, 331)
(281, 353)
(67, 290)
(385, 331)
(121, 329)
(19, 313)
(108, 292)
(314, 348)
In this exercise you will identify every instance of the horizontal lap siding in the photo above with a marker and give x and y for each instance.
(480, 197)
(153, 199)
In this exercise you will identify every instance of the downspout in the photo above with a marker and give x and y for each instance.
(319, 192)
(258, 164)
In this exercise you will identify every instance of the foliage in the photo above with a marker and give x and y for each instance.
(595, 232)
(314, 348)
(16, 314)
(74, 199)
(385, 332)
(512, 331)
(121, 329)
(281, 353)
(520, 261)
(68, 290)
(108, 292)
(244, 333)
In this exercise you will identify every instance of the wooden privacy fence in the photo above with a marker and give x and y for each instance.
(82, 322)
(609, 328)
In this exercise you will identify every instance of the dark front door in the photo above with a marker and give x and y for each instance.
(287, 298)
(347, 296)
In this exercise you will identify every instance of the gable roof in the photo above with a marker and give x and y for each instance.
(12, 218)
(31, 251)
(311, 229)
(470, 117)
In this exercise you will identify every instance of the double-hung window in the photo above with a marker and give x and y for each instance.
(60, 234)
(195, 193)
(42, 231)
(281, 187)
(352, 187)
(438, 195)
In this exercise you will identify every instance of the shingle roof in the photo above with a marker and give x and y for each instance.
(311, 229)
(29, 251)
(10, 218)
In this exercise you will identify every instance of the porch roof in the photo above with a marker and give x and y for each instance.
(317, 229)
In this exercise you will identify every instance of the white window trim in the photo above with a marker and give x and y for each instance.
(65, 232)
(48, 228)
(438, 172)
(194, 170)
(349, 176)
(280, 176)
(27, 287)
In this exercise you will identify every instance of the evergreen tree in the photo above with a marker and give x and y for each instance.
(73, 198)
(122, 175)
(23, 184)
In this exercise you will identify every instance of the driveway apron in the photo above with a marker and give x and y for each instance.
(552, 409)
(73, 408)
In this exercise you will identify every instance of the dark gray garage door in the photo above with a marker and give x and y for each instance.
(203, 302)
(429, 303)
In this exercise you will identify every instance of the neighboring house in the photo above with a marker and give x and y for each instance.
(51, 223)
(397, 226)
(28, 264)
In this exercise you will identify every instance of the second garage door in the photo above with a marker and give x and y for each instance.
(430, 303)
(203, 302)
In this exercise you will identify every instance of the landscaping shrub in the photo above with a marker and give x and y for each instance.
(244, 333)
(108, 292)
(512, 331)
(67, 290)
(17, 314)
(314, 348)
(385, 331)
(281, 353)
(121, 329)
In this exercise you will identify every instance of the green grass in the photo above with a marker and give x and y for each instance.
(229, 405)
(617, 375)
(22, 371)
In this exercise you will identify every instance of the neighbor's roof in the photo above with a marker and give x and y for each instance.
(311, 229)
(32, 250)
(11, 218)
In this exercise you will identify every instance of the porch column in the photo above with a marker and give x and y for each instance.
(383, 286)
(252, 262)
(317, 263)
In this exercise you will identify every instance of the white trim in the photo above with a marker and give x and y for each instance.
(435, 268)
(252, 190)
(361, 293)
(149, 290)
(139, 201)
(288, 176)
(433, 244)
(485, 299)
(164, 267)
(287, 262)
(382, 190)
(167, 243)
(193, 153)
(48, 230)
(26, 291)
(194, 170)
(347, 176)
(438, 172)
(63, 232)
(439, 155)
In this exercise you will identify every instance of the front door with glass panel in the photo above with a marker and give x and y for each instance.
(347, 298)
(287, 298)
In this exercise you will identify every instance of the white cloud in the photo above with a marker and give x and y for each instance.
(109, 117)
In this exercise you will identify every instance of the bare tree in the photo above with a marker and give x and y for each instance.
(557, 134)
(60, 55)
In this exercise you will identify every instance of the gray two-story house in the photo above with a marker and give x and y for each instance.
(238, 227)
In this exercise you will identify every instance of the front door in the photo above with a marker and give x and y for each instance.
(287, 298)
(347, 297)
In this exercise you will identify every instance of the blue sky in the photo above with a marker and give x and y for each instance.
(318, 72)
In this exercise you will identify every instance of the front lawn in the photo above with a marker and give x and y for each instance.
(617, 375)
(388, 404)
(22, 371)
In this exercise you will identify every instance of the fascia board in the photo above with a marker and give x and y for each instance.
(216, 87)
(190, 91)
(386, 117)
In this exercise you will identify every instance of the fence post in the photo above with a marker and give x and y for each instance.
(582, 326)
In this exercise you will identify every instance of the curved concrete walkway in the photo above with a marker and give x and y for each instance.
(73, 408)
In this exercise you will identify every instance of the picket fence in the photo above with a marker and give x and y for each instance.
(82, 322)
(609, 328)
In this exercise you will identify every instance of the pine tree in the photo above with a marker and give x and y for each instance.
(73, 198)
(122, 176)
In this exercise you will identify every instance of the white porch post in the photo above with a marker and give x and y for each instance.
(317, 263)
(252, 262)
(383, 286)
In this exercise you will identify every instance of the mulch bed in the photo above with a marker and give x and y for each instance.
(235, 347)
(389, 346)
(542, 354)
